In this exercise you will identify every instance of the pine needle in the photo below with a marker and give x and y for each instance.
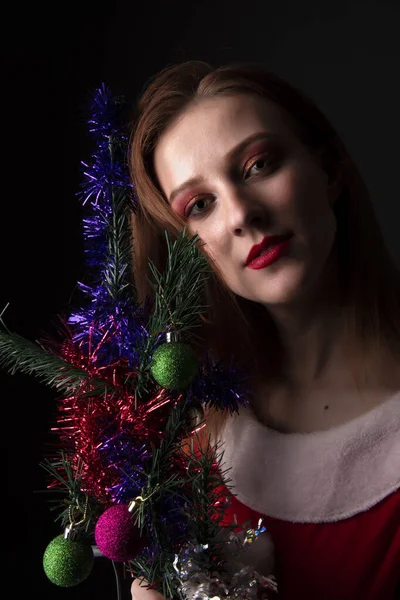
(20, 354)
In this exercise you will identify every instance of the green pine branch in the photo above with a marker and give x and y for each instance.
(196, 488)
(205, 473)
(179, 297)
(118, 259)
(68, 500)
(161, 482)
(20, 354)
(176, 428)
(179, 290)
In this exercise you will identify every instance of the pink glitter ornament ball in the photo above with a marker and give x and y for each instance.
(117, 536)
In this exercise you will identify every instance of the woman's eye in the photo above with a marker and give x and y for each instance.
(261, 164)
(198, 207)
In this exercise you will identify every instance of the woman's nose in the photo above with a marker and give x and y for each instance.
(242, 210)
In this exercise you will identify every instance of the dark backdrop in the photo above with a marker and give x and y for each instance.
(345, 54)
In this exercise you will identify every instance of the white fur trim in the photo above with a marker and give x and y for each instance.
(323, 476)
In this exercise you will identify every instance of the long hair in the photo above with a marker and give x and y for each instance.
(369, 277)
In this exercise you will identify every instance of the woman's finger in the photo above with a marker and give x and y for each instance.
(139, 591)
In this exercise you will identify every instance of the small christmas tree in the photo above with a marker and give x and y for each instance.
(133, 482)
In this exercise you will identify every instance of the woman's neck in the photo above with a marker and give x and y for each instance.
(311, 330)
(327, 397)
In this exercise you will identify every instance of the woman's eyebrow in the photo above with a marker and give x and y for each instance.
(231, 155)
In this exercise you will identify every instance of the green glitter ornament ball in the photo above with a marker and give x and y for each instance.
(67, 562)
(174, 365)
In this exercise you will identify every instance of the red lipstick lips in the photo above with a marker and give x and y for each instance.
(271, 247)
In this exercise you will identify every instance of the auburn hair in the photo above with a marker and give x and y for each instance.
(369, 277)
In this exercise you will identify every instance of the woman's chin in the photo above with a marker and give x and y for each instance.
(284, 288)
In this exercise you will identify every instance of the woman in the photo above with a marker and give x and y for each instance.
(304, 286)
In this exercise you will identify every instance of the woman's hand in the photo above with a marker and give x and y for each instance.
(140, 592)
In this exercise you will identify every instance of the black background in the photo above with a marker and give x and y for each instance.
(345, 54)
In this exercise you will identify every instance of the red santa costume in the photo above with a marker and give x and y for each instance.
(330, 501)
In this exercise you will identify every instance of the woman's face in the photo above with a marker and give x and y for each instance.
(236, 172)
